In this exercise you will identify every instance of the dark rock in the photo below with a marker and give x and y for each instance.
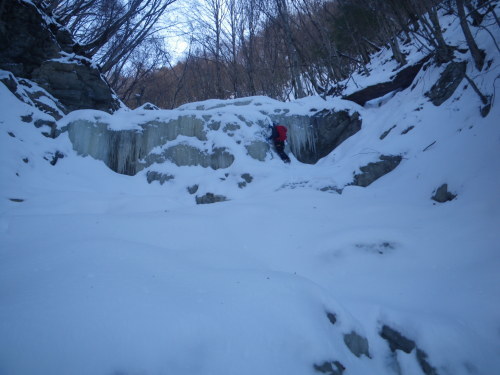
(247, 177)
(27, 118)
(210, 198)
(51, 124)
(157, 176)
(330, 368)
(330, 130)
(30, 43)
(26, 160)
(407, 130)
(17, 200)
(25, 38)
(358, 345)
(11, 134)
(399, 342)
(446, 85)
(11, 83)
(386, 133)
(76, 84)
(193, 189)
(401, 81)
(424, 364)
(58, 155)
(374, 171)
(442, 194)
(54, 110)
(331, 188)
(331, 317)
(396, 340)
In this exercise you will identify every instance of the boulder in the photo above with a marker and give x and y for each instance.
(357, 344)
(447, 83)
(442, 195)
(375, 170)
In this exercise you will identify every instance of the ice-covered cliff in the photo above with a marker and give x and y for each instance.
(209, 134)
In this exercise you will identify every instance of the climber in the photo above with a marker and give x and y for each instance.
(278, 136)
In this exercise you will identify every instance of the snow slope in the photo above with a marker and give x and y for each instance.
(103, 273)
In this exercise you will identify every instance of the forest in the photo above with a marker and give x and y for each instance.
(283, 49)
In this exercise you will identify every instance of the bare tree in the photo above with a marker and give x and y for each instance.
(477, 54)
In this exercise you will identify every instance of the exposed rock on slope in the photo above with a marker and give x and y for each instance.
(34, 46)
(401, 81)
(373, 171)
(444, 88)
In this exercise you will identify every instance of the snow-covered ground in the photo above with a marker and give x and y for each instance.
(103, 273)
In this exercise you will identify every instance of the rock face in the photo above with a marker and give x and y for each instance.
(313, 137)
(373, 171)
(401, 81)
(446, 85)
(76, 83)
(34, 46)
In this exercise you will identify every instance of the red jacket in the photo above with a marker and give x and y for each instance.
(281, 133)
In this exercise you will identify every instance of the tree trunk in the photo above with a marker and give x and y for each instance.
(477, 54)
(444, 52)
(292, 52)
(477, 17)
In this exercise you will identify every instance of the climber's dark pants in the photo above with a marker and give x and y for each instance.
(280, 149)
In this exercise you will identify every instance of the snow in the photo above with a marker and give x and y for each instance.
(103, 273)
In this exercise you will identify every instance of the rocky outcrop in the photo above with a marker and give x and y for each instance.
(373, 171)
(76, 83)
(313, 137)
(399, 82)
(331, 129)
(34, 46)
(446, 85)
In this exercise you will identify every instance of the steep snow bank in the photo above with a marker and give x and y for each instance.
(105, 273)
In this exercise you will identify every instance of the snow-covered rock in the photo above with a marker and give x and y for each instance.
(34, 46)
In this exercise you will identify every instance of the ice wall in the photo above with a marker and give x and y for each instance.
(301, 134)
(210, 134)
(129, 151)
